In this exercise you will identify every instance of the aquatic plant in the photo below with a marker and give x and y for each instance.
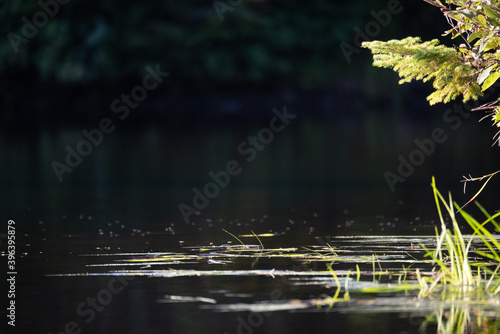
(453, 252)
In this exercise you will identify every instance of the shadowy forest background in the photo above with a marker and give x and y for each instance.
(221, 66)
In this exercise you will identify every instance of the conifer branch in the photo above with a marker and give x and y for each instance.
(465, 70)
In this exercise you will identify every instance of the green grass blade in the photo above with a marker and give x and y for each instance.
(241, 242)
(490, 218)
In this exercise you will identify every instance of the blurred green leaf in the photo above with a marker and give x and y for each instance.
(490, 81)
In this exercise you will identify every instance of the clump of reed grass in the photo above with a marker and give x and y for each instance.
(452, 253)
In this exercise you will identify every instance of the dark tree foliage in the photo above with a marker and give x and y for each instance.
(272, 43)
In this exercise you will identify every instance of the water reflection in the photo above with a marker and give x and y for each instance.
(156, 169)
(315, 179)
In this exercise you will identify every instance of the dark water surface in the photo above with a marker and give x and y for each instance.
(314, 179)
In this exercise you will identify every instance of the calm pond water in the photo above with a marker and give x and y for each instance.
(108, 250)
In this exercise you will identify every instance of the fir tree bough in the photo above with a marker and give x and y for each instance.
(467, 69)
(414, 60)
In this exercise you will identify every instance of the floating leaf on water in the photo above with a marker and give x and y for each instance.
(190, 299)
(258, 235)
